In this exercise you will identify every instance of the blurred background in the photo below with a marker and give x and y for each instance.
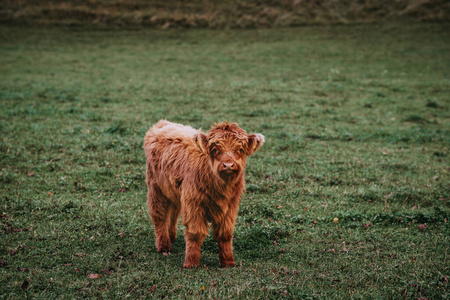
(219, 14)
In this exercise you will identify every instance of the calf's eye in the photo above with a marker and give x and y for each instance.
(241, 151)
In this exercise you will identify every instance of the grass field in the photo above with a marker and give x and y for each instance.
(348, 198)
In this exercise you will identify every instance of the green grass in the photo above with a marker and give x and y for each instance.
(356, 120)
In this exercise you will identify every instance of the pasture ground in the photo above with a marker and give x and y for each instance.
(356, 120)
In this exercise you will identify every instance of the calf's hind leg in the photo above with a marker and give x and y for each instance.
(160, 210)
(174, 214)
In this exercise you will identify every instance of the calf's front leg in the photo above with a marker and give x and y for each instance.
(226, 253)
(223, 233)
(195, 233)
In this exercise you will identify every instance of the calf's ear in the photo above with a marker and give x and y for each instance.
(255, 141)
(201, 141)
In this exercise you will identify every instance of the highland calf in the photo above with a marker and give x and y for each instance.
(200, 176)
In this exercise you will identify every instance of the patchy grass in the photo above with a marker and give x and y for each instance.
(349, 197)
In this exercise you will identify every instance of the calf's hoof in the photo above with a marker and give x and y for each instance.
(228, 264)
(190, 266)
(164, 250)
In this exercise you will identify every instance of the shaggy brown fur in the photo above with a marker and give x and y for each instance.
(201, 176)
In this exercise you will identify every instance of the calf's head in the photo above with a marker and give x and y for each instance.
(228, 146)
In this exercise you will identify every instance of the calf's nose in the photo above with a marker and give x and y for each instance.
(228, 166)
